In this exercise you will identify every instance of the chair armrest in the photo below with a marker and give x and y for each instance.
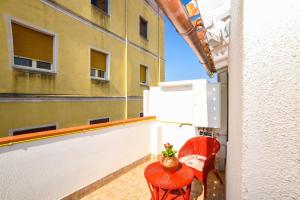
(185, 152)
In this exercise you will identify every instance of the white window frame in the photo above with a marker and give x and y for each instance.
(34, 65)
(147, 75)
(11, 131)
(107, 73)
(97, 72)
(147, 39)
(109, 118)
(108, 13)
(9, 21)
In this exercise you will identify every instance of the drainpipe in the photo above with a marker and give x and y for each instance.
(126, 59)
(177, 14)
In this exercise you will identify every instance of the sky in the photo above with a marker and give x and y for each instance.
(181, 63)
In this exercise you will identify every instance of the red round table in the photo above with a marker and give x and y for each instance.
(164, 185)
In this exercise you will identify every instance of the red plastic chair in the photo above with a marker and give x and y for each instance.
(203, 146)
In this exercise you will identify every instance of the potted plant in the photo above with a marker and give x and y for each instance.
(169, 161)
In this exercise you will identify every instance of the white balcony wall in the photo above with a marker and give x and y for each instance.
(169, 133)
(56, 167)
(172, 104)
(194, 101)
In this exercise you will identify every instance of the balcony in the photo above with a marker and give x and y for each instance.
(104, 161)
(132, 185)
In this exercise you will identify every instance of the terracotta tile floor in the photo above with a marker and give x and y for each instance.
(133, 186)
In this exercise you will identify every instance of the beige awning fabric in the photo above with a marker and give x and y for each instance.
(98, 60)
(32, 44)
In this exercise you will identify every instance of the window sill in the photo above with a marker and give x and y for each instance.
(144, 84)
(145, 39)
(33, 70)
(99, 79)
(107, 14)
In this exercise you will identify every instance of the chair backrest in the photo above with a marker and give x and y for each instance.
(201, 145)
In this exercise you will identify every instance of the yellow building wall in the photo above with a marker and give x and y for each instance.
(161, 38)
(135, 59)
(162, 49)
(135, 107)
(75, 37)
(162, 70)
(65, 114)
(72, 77)
(114, 22)
(135, 10)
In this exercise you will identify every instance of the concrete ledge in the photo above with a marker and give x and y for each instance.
(10, 140)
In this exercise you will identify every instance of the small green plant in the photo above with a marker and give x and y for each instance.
(169, 152)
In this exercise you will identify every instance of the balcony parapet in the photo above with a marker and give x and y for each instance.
(10, 140)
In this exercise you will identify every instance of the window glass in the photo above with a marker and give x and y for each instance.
(33, 130)
(99, 121)
(143, 28)
(102, 4)
(43, 65)
(143, 74)
(22, 61)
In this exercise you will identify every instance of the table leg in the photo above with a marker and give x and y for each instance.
(166, 194)
(188, 192)
(152, 191)
(156, 193)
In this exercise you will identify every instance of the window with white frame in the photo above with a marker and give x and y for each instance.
(32, 49)
(99, 65)
(143, 75)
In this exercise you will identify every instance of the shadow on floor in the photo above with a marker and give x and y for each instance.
(215, 190)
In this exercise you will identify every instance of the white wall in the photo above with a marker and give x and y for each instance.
(264, 115)
(167, 103)
(221, 157)
(213, 105)
(172, 133)
(56, 167)
(194, 101)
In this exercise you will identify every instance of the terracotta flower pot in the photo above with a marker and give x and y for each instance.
(169, 164)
